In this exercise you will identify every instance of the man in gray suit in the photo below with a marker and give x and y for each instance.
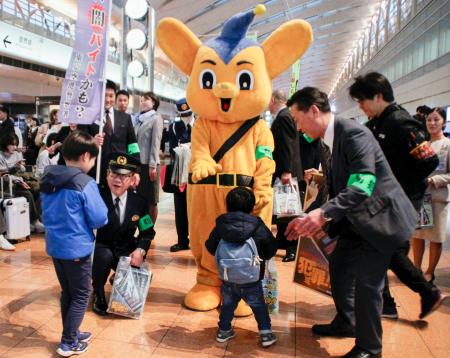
(367, 209)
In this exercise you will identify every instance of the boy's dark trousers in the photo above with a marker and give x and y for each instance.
(252, 294)
(74, 277)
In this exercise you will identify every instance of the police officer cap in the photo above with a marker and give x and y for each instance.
(122, 163)
(183, 108)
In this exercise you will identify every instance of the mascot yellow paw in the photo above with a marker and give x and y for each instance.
(202, 171)
(203, 298)
(242, 310)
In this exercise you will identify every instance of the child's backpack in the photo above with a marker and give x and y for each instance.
(238, 262)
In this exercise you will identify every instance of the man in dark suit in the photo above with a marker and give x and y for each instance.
(127, 213)
(286, 155)
(367, 209)
(118, 133)
(403, 141)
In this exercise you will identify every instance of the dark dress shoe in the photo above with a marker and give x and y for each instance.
(99, 307)
(288, 258)
(357, 352)
(431, 303)
(178, 247)
(333, 330)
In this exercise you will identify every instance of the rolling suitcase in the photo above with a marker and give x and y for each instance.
(16, 213)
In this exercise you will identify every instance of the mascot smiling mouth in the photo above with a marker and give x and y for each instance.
(225, 104)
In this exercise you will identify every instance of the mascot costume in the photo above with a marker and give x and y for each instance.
(229, 87)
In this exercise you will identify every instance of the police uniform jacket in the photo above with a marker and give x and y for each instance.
(386, 218)
(121, 237)
(398, 135)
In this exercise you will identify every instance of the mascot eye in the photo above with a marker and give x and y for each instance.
(244, 80)
(207, 79)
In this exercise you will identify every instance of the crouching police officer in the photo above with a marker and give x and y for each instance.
(129, 230)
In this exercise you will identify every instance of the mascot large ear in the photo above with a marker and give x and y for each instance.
(178, 43)
(285, 45)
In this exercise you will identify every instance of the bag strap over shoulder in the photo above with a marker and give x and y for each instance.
(234, 138)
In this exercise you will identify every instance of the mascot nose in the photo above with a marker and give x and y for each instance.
(226, 90)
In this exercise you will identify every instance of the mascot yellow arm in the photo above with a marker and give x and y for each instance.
(202, 163)
(265, 167)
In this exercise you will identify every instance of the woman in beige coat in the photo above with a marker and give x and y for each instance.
(438, 187)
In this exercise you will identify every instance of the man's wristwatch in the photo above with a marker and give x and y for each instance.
(142, 251)
(326, 219)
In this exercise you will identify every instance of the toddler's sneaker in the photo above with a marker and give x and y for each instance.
(267, 339)
(66, 350)
(224, 336)
(84, 336)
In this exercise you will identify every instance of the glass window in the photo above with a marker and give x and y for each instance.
(392, 24)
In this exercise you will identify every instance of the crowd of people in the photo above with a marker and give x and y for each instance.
(376, 177)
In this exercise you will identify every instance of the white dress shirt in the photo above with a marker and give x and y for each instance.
(328, 138)
(111, 115)
(122, 204)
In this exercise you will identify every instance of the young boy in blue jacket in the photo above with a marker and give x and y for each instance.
(72, 207)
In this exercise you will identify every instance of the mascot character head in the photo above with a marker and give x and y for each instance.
(231, 75)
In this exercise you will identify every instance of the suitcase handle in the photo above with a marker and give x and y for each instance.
(10, 186)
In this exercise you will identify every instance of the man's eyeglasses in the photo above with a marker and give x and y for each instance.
(122, 177)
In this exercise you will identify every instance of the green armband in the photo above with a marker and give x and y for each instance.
(308, 138)
(263, 151)
(133, 148)
(145, 223)
(364, 182)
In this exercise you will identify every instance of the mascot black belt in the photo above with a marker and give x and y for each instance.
(225, 180)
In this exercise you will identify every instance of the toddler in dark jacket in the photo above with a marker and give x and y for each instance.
(237, 226)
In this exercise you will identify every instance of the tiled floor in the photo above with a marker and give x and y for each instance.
(30, 322)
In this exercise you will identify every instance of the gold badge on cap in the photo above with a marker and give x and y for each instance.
(184, 106)
(135, 218)
(121, 160)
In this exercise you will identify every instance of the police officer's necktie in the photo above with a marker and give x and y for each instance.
(117, 207)
(108, 125)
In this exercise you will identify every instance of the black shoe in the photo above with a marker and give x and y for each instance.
(288, 258)
(333, 330)
(389, 308)
(431, 303)
(99, 307)
(178, 247)
(357, 352)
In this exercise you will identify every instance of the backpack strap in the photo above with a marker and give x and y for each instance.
(234, 138)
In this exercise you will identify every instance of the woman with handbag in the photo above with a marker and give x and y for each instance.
(148, 129)
(438, 183)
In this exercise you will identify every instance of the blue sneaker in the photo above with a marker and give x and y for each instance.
(84, 336)
(66, 350)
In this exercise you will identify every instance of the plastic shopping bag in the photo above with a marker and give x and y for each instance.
(286, 199)
(270, 286)
(426, 219)
(130, 289)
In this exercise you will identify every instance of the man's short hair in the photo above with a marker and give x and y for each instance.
(240, 199)
(153, 97)
(4, 109)
(369, 85)
(50, 138)
(424, 110)
(8, 138)
(279, 96)
(308, 96)
(111, 85)
(123, 92)
(78, 143)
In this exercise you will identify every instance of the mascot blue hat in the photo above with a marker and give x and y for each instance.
(232, 40)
